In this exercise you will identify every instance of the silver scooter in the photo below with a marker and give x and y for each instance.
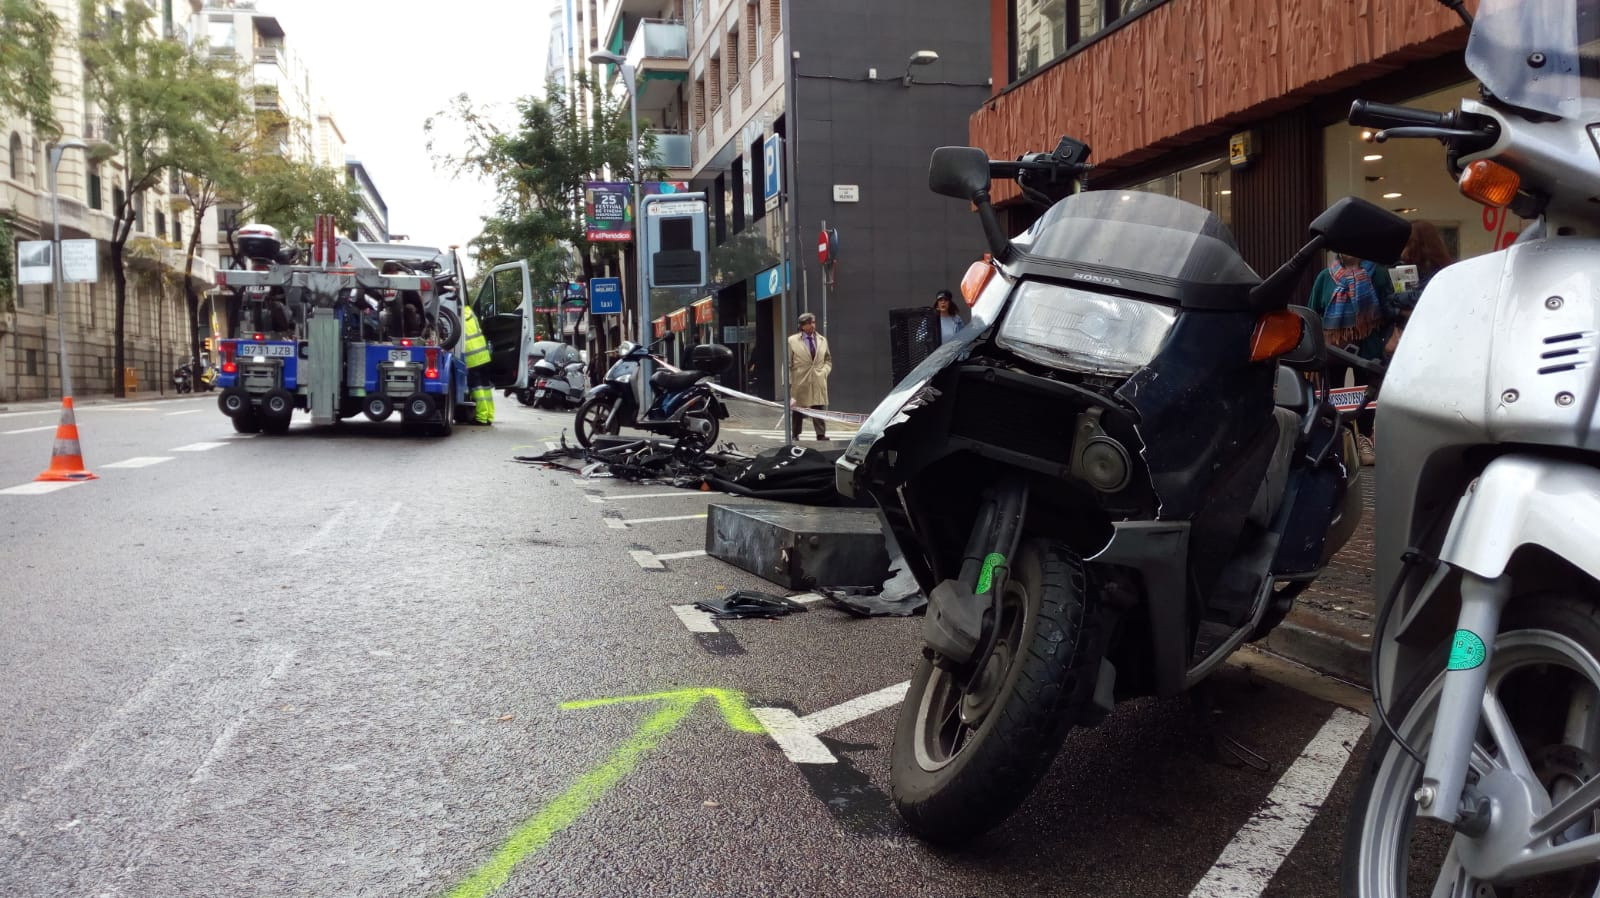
(1485, 775)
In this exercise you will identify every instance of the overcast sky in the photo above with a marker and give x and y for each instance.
(384, 67)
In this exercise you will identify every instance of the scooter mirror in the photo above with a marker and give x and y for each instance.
(1355, 227)
(1308, 354)
(959, 172)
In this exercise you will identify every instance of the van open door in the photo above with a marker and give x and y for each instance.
(505, 312)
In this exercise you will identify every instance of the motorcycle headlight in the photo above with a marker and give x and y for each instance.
(1076, 330)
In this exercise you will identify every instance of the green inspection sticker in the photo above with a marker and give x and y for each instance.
(1466, 651)
(986, 576)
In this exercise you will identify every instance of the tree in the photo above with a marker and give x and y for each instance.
(154, 94)
(288, 195)
(28, 32)
(540, 168)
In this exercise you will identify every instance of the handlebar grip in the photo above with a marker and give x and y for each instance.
(1383, 115)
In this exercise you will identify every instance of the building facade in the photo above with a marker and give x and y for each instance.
(372, 221)
(155, 317)
(1162, 90)
(712, 89)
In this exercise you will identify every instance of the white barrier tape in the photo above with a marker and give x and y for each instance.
(1348, 399)
(836, 417)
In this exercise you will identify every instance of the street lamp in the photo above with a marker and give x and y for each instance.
(921, 57)
(56, 150)
(626, 68)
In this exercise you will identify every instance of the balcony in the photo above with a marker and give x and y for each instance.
(674, 150)
(659, 46)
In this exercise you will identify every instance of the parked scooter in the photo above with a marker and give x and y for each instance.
(560, 378)
(189, 377)
(684, 406)
(1106, 484)
(183, 378)
(1485, 776)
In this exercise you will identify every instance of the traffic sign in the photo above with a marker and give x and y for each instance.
(771, 157)
(605, 296)
(827, 246)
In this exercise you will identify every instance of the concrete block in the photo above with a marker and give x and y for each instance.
(799, 547)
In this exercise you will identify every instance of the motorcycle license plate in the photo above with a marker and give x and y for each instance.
(399, 355)
(271, 351)
(538, 394)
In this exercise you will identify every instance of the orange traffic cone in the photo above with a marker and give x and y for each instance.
(66, 459)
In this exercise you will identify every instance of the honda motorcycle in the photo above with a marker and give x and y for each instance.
(683, 407)
(1484, 779)
(1106, 484)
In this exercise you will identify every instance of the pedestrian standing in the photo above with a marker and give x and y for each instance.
(810, 362)
(479, 381)
(950, 322)
(1427, 251)
(1352, 297)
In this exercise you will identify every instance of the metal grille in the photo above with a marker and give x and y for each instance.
(913, 336)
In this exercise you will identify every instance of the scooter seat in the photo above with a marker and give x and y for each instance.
(672, 383)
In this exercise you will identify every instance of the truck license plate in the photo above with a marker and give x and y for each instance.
(271, 351)
(399, 355)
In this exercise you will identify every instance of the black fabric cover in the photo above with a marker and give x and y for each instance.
(795, 474)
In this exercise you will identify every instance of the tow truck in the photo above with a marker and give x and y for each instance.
(338, 337)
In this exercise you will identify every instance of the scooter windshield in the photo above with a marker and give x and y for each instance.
(1542, 55)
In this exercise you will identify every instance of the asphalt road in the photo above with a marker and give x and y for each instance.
(335, 663)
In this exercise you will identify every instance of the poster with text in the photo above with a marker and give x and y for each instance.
(608, 211)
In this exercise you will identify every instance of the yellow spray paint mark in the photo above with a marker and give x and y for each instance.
(535, 832)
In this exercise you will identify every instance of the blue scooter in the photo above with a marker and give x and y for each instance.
(683, 406)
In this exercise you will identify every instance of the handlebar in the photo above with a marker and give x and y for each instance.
(1382, 115)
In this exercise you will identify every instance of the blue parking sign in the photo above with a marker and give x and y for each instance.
(771, 159)
(605, 296)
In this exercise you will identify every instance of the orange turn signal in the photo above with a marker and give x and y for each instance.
(1276, 333)
(976, 278)
(1490, 183)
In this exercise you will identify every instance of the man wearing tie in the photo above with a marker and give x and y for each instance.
(809, 365)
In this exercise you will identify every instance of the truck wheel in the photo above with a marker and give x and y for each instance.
(447, 417)
(234, 402)
(249, 422)
(377, 408)
(419, 407)
(277, 404)
(275, 426)
(461, 411)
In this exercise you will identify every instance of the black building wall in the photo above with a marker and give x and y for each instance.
(900, 243)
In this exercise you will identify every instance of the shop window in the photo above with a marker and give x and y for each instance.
(1409, 177)
(1209, 184)
(1043, 31)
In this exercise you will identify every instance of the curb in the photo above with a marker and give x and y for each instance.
(1322, 644)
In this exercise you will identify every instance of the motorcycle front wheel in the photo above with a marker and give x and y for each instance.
(591, 419)
(969, 748)
(1540, 719)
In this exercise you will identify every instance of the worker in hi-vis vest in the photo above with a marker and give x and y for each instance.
(478, 379)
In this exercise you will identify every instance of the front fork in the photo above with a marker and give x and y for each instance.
(1455, 728)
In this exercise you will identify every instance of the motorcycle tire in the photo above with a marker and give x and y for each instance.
(952, 784)
(598, 407)
(526, 398)
(1543, 642)
(704, 443)
(449, 325)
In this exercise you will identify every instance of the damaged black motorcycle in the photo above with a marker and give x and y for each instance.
(1110, 482)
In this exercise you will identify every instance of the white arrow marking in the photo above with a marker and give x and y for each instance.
(797, 736)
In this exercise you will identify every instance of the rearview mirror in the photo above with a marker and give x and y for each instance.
(1358, 228)
(959, 172)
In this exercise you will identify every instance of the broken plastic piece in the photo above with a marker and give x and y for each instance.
(749, 603)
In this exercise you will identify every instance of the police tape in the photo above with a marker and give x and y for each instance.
(1348, 399)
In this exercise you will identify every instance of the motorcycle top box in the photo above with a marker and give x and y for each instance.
(711, 358)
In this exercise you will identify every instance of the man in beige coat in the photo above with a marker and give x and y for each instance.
(809, 365)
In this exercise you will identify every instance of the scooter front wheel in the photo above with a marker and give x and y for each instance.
(1540, 722)
(971, 744)
(592, 417)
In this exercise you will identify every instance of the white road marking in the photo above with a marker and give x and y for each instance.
(39, 488)
(328, 529)
(807, 598)
(1250, 861)
(197, 447)
(697, 620)
(615, 523)
(678, 517)
(674, 556)
(225, 738)
(142, 461)
(647, 560)
(242, 436)
(193, 411)
(377, 535)
(31, 429)
(551, 445)
(595, 499)
(797, 736)
(626, 497)
(117, 408)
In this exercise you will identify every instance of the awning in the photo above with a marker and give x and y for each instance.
(679, 319)
(660, 326)
(703, 311)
